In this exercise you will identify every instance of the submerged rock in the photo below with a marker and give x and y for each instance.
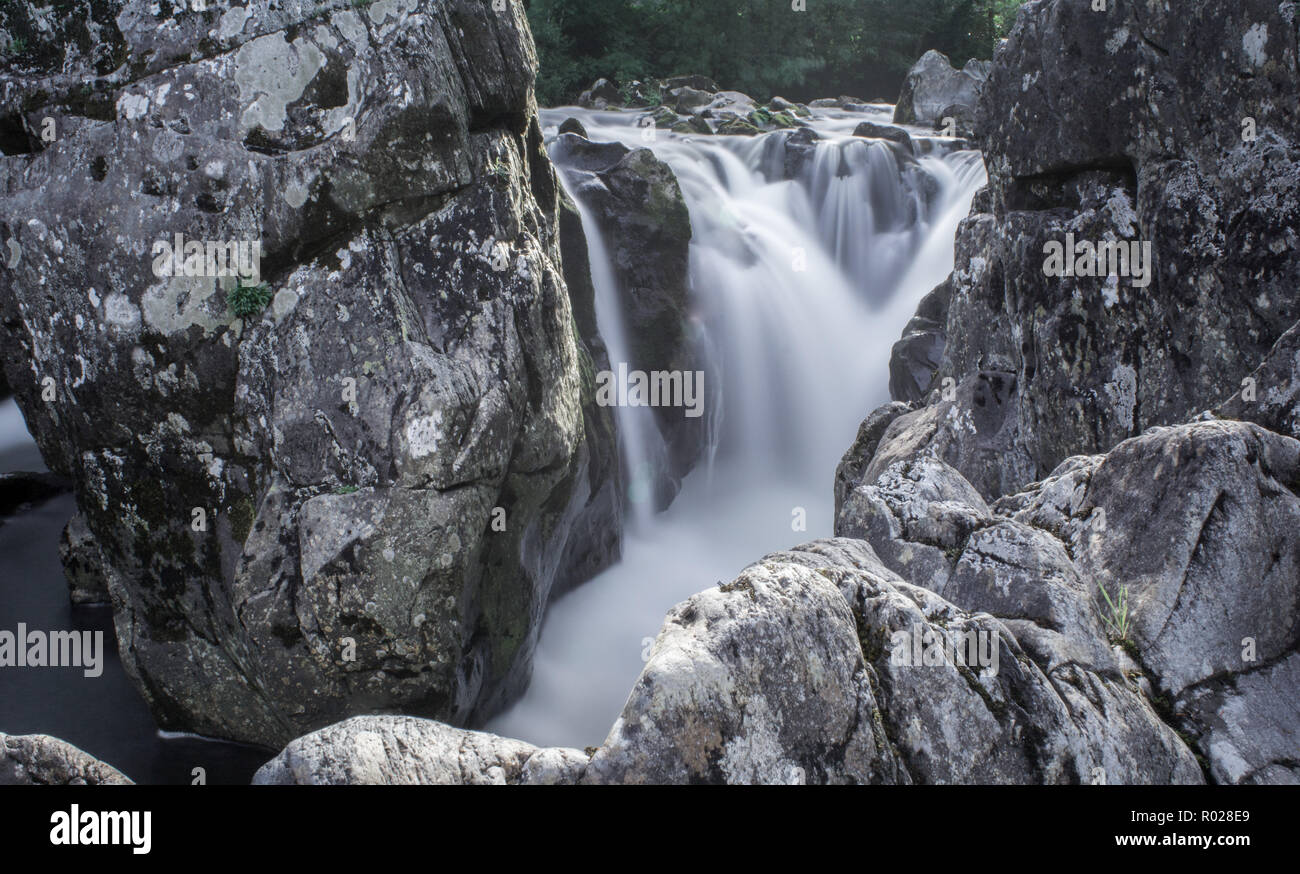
(352, 483)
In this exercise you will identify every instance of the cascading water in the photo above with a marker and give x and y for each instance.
(803, 285)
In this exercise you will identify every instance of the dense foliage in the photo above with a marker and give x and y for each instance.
(761, 47)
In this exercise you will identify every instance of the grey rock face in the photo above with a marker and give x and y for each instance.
(916, 357)
(1196, 158)
(360, 496)
(402, 750)
(1216, 605)
(41, 760)
(934, 89)
(1193, 526)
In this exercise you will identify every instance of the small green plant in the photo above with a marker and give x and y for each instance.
(1118, 621)
(347, 490)
(247, 301)
(17, 46)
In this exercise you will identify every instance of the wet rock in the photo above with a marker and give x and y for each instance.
(573, 126)
(916, 357)
(41, 760)
(871, 130)
(84, 566)
(738, 127)
(687, 100)
(639, 206)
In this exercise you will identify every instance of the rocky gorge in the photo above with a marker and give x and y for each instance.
(1099, 480)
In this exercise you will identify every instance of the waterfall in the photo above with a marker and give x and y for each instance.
(804, 279)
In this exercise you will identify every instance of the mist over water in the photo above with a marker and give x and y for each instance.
(801, 286)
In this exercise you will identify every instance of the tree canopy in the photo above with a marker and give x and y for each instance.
(761, 47)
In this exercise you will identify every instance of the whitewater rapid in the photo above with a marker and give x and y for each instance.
(802, 286)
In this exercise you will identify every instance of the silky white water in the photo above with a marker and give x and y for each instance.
(802, 286)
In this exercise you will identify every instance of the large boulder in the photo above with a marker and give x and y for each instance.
(348, 480)
(934, 90)
(41, 760)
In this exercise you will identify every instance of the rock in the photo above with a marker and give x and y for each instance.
(1096, 360)
(639, 206)
(872, 130)
(692, 125)
(853, 466)
(41, 760)
(768, 121)
(933, 88)
(596, 541)
(573, 126)
(663, 118)
(759, 681)
(299, 509)
(687, 100)
(801, 671)
(1212, 611)
(780, 104)
(84, 566)
(1271, 395)
(916, 357)
(728, 105)
(956, 120)
(738, 127)
(402, 750)
(699, 83)
(1215, 607)
(971, 426)
(600, 95)
(799, 146)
